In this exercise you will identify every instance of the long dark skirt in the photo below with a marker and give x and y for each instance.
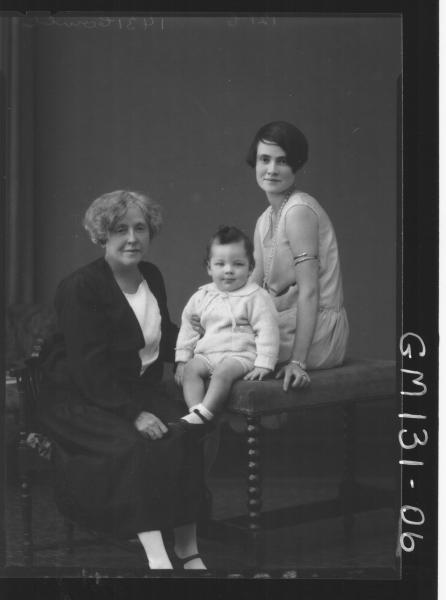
(109, 478)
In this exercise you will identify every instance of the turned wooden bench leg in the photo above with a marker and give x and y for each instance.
(254, 489)
(349, 486)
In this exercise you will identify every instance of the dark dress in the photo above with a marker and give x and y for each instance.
(109, 477)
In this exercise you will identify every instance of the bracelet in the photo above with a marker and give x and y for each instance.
(299, 363)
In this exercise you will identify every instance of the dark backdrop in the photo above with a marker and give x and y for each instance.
(170, 106)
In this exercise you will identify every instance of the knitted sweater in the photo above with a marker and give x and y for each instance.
(242, 321)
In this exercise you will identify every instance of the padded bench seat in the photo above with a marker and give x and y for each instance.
(357, 380)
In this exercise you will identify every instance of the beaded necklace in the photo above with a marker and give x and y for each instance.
(268, 266)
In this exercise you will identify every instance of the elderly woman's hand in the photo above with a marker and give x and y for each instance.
(293, 374)
(150, 426)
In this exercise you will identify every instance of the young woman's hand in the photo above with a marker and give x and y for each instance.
(257, 373)
(179, 372)
(293, 375)
(196, 325)
(150, 426)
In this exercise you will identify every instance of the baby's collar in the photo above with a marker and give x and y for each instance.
(246, 290)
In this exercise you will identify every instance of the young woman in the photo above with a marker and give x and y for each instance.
(297, 258)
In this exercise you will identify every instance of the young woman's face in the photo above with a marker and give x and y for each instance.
(129, 240)
(273, 173)
(229, 266)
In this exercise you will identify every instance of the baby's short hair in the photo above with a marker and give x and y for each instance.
(227, 234)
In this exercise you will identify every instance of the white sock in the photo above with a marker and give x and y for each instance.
(192, 417)
(155, 550)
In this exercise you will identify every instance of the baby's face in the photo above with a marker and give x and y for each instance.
(229, 266)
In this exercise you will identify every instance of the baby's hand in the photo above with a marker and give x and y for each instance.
(257, 373)
(179, 372)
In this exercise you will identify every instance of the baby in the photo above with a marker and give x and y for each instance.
(241, 335)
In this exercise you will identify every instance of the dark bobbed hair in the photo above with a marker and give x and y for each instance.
(230, 235)
(288, 137)
(104, 212)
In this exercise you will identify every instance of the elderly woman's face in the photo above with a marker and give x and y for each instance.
(129, 240)
(273, 173)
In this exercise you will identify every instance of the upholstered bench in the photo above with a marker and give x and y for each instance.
(357, 381)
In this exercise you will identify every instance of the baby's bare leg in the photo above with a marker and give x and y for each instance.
(195, 373)
(224, 375)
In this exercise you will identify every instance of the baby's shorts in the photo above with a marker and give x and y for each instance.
(215, 358)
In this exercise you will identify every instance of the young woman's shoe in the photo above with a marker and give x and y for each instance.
(179, 563)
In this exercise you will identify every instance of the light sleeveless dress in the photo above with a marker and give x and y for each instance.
(330, 338)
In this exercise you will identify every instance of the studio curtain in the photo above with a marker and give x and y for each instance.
(17, 100)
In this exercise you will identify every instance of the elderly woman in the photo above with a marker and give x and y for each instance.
(297, 258)
(120, 469)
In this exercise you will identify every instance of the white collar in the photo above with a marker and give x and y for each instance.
(246, 290)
